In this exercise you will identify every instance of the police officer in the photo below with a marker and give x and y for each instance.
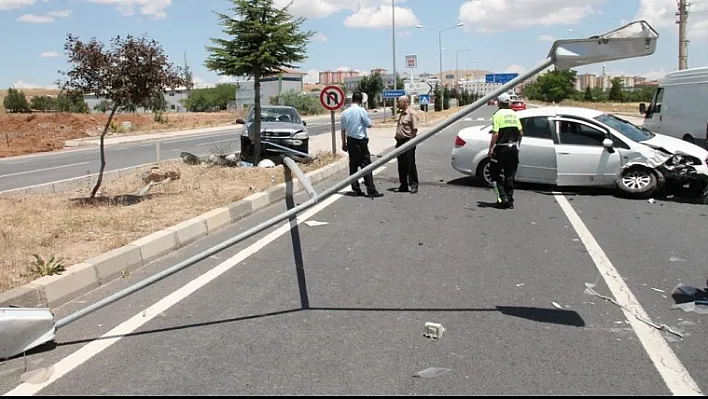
(504, 151)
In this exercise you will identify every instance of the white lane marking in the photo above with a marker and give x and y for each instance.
(44, 169)
(665, 360)
(93, 348)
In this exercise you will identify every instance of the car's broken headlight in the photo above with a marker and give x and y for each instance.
(678, 160)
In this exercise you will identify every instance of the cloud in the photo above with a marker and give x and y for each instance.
(15, 4)
(320, 37)
(374, 14)
(515, 69)
(507, 15)
(152, 8)
(546, 38)
(44, 19)
(50, 54)
(662, 14)
(22, 85)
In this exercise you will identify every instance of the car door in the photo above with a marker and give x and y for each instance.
(581, 158)
(537, 154)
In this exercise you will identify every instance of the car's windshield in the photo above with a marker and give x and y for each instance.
(272, 114)
(628, 129)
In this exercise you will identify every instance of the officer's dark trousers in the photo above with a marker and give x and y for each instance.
(407, 170)
(359, 157)
(504, 161)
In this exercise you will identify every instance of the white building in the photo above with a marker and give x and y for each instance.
(172, 97)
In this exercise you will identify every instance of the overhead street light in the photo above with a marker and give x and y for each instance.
(440, 31)
(457, 65)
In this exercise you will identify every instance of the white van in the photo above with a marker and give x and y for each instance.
(679, 107)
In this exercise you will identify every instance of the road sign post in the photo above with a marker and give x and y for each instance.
(424, 101)
(332, 98)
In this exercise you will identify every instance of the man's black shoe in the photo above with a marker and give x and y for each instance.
(402, 189)
(375, 194)
(359, 193)
(414, 190)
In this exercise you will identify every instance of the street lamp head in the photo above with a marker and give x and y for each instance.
(459, 25)
(419, 26)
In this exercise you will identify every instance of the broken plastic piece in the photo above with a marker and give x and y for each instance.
(245, 164)
(651, 200)
(675, 259)
(313, 223)
(699, 307)
(38, 376)
(431, 372)
(687, 293)
(434, 330)
(658, 290)
(556, 305)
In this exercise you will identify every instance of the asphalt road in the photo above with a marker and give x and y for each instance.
(45, 168)
(340, 308)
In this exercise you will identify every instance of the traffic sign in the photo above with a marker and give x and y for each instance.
(424, 99)
(332, 98)
(393, 93)
(430, 88)
(412, 61)
(500, 77)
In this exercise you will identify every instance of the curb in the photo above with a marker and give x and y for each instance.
(76, 183)
(53, 291)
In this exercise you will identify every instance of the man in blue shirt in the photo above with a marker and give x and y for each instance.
(355, 121)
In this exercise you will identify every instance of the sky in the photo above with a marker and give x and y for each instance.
(498, 35)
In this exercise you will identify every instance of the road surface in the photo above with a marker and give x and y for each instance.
(45, 168)
(340, 309)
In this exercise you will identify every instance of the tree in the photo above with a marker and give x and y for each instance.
(446, 98)
(616, 90)
(263, 40)
(438, 98)
(42, 103)
(16, 101)
(132, 71)
(588, 94)
(554, 86)
(303, 103)
(372, 85)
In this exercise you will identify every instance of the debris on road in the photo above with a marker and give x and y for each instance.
(431, 372)
(314, 223)
(675, 259)
(38, 376)
(690, 299)
(434, 330)
(520, 284)
(556, 305)
(658, 290)
(155, 176)
(651, 200)
(661, 327)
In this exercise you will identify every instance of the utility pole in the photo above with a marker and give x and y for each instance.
(393, 23)
(683, 41)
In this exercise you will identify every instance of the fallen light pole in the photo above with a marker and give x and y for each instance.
(636, 39)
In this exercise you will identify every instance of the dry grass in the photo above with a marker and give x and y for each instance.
(51, 225)
(628, 108)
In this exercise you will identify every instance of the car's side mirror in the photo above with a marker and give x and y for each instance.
(304, 123)
(240, 121)
(607, 143)
(642, 108)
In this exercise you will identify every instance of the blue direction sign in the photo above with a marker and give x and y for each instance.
(393, 93)
(424, 99)
(500, 77)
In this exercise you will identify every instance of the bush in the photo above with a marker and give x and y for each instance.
(304, 104)
(211, 99)
(16, 101)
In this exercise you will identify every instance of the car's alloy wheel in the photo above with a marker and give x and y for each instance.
(637, 180)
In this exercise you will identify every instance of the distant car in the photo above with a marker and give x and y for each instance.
(280, 125)
(491, 102)
(567, 146)
(518, 105)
